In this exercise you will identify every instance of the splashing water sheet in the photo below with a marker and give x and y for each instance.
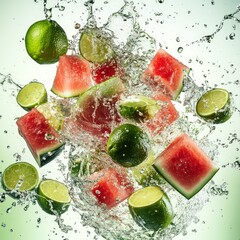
(204, 35)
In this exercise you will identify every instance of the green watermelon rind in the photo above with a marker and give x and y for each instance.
(158, 166)
(106, 89)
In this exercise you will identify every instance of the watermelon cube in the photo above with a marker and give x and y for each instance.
(42, 139)
(165, 74)
(166, 115)
(185, 166)
(110, 187)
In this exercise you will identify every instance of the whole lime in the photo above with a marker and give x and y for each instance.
(45, 41)
(128, 145)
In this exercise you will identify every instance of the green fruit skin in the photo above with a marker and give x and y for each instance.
(126, 148)
(138, 108)
(55, 45)
(51, 207)
(154, 217)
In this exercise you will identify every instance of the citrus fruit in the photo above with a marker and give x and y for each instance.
(20, 176)
(128, 145)
(94, 46)
(52, 111)
(214, 105)
(138, 108)
(150, 208)
(31, 95)
(145, 174)
(45, 41)
(53, 196)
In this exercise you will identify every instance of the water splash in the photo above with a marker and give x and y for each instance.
(210, 37)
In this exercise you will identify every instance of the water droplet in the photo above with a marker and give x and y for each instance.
(161, 1)
(232, 36)
(77, 25)
(180, 49)
(178, 39)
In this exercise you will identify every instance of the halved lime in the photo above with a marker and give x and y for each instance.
(52, 111)
(128, 145)
(95, 46)
(138, 108)
(214, 105)
(151, 208)
(53, 196)
(20, 176)
(145, 174)
(31, 95)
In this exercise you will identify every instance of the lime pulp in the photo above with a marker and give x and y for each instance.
(20, 176)
(53, 196)
(31, 95)
(214, 105)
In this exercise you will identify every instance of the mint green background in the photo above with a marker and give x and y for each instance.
(220, 218)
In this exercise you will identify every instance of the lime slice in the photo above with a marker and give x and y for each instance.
(52, 111)
(128, 145)
(151, 208)
(94, 46)
(138, 108)
(53, 196)
(31, 95)
(214, 105)
(20, 176)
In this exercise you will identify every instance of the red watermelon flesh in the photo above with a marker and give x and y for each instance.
(165, 74)
(166, 115)
(42, 139)
(110, 187)
(98, 104)
(105, 71)
(185, 166)
(73, 76)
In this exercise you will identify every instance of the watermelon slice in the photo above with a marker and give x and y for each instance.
(42, 139)
(72, 76)
(166, 115)
(105, 71)
(98, 104)
(185, 166)
(165, 74)
(110, 187)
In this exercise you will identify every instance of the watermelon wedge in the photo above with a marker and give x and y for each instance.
(165, 74)
(110, 187)
(73, 76)
(185, 166)
(42, 139)
(166, 115)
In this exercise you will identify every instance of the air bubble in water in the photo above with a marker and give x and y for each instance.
(180, 49)
(232, 36)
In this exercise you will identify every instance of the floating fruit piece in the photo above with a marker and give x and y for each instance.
(215, 106)
(20, 176)
(46, 41)
(138, 108)
(72, 76)
(53, 196)
(32, 95)
(42, 139)
(185, 166)
(128, 145)
(94, 46)
(165, 74)
(151, 208)
(110, 187)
